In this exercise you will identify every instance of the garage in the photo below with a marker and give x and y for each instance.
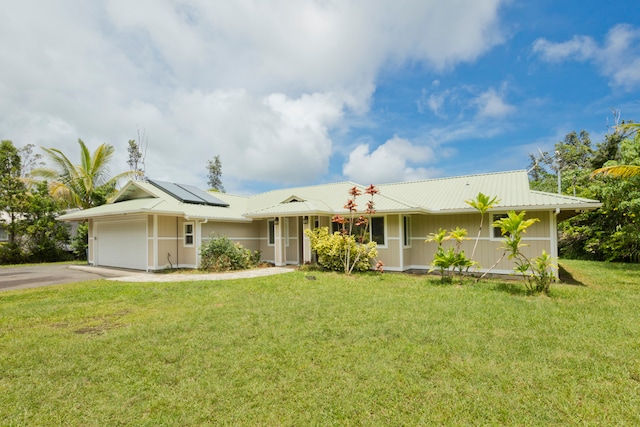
(122, 244)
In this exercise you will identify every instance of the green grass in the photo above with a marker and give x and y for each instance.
(284, 350)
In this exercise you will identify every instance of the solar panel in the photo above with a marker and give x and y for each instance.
(188, 193)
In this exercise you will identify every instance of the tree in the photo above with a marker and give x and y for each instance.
(30, 160)
(215, 174)
(612, 232)
(85, 185)
(137, 154)
(44, 237)
(34, 232)
(482, 203)
(12, 196)
(622, 170)
(569, 164)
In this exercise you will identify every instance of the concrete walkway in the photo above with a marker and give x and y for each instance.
(134, 276)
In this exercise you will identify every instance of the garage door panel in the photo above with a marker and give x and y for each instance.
(122, 244)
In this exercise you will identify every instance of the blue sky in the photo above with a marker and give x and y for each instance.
(297, 93)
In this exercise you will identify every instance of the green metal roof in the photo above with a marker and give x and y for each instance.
(442, 195)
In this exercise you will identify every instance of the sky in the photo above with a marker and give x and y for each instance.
(291, 93)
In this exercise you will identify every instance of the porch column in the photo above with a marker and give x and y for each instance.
(155, 242)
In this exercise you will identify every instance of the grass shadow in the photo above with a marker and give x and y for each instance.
(567, 278)
(513, 288)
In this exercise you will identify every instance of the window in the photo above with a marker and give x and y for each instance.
(4, 236)
(406, 231)
(271, 232)
(376, 230)
(188, 234)
(497, 232)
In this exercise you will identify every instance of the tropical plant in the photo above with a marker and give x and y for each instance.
(618, 171)
(536, 272)
(453, 258)
(482, 203)
(331, 250)
(84, 185)
(354, 230)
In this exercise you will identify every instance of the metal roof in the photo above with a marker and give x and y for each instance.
(450, 194)
(434, 196)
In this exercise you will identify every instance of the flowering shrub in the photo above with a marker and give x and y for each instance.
(349, 248)
(332, 250)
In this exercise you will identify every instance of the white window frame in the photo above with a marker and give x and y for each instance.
(186, 234)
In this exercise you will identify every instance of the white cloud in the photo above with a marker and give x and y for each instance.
(491, 104)
(468, 102)
(394, 161)
(580, 48)
(617, 58)
(261, 83)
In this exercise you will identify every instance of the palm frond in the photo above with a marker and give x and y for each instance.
(619, 171)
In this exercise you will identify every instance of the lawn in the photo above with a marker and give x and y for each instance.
(389, 349)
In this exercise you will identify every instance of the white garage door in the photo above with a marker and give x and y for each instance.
(122, 244)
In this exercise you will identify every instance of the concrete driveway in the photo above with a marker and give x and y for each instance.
(35, 276)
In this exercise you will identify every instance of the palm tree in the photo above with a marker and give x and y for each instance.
(85, 185)
(621, 171)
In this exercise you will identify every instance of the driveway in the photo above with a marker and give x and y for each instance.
(44, 275)
(35, 276)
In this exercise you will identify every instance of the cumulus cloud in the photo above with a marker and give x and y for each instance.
(617, 58)
(262, 84)
(394, 161)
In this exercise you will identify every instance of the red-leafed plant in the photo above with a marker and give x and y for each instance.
(351, 243)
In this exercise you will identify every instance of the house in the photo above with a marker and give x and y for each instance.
(153, 225)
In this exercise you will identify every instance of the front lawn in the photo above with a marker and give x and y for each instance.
(371, 349)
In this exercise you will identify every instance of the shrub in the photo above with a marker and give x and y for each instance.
(334, 249)
(221, 254)
(79, 243)
(536, 271)
(453, 258)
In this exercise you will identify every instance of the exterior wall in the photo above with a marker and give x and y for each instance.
(390, 252)
(539, 236)
(247, 234)
(169, 241)
(267, 251)
(166, 241)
